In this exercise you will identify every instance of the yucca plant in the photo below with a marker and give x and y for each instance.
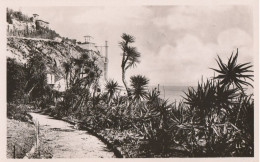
(233, 73)
(208, 103)
(241, 109)
(139, 85)
(111, 87)
(216, 101)
(130, 56)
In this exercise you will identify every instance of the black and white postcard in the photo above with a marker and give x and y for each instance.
(130, 79)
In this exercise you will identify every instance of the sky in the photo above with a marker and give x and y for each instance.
(178, 44)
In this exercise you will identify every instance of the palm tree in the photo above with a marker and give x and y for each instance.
(111, 88)
(233, 73)
(139, 87)
(130, 56)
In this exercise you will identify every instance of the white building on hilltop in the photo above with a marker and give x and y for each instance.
(100, 53)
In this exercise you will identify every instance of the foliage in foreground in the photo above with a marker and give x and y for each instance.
(204, 124)
(215, 119)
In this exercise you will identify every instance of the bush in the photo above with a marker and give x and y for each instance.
(15, 80)
(19, 112)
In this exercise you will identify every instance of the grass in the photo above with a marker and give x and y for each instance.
(21, 135)
(44, 151)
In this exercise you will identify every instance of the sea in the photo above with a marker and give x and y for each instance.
(176, 93)
(171, 93)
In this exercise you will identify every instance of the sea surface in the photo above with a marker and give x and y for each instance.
(176, 93)
(172, 93)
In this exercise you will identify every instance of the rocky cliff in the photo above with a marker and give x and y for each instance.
(53, 52)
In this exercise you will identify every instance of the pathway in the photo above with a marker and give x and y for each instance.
(67, 142)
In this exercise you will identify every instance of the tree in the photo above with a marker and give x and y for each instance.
(233, 73)
(84, 75)
(8, 16)
(130, 56)
(36, 75)
(15, 80)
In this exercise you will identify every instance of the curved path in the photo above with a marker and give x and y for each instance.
(67, 142)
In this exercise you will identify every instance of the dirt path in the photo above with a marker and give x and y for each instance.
(67, 142)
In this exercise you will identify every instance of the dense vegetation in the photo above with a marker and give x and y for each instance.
(17, 15)
(215, 119)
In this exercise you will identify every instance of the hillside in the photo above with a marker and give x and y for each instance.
(54, 54)
(30, 35)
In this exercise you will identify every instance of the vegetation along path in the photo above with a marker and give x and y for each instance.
(67, 142)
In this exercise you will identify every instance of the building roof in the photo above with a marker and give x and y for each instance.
(43, 21)
(35, 14)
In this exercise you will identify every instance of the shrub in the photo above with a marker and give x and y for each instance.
(19, 112)
(15, 80)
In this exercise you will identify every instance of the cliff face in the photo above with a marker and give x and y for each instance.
(19, 24)
(54, 53)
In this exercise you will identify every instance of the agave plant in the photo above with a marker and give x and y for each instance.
(119, 100)
(233, 73)
(210, 97)
(202, 100)
(245, 116)
(139, 87)
(152, 97)
(111, 88)
(179, 113)
(225, 97)
(162, 111)
(245, 121)
(240, 141)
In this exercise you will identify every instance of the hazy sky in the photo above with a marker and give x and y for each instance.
(178, 44)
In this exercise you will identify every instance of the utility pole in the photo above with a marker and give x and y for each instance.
(105, 58)
(106, 61)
